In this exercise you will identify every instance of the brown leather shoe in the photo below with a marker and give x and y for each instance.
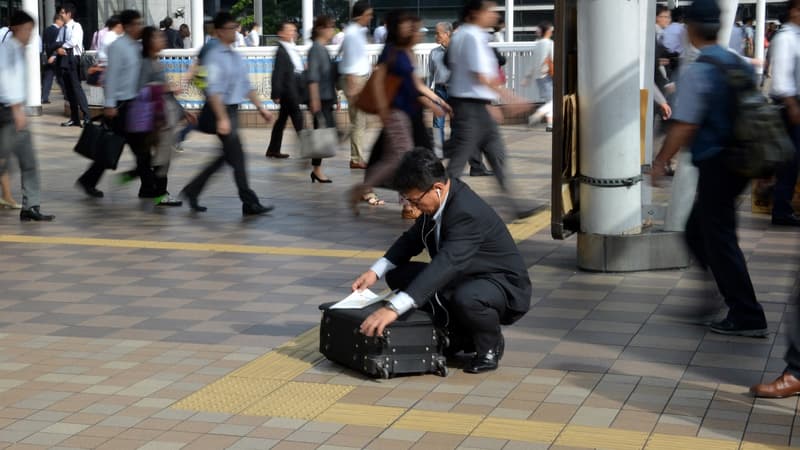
(785, 385)
(358, 165)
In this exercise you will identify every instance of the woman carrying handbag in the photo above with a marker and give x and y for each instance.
(321, 85)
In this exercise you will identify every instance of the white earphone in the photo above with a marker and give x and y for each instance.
(439, 193)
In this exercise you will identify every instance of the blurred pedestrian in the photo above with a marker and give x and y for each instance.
(120, 87)
(379, 35)
(785, 90)
(702, 121)
(228, 85)
(321, 85)
(15, 137)
(473, 87)
(174, 39)
(51, 71)
(253, 38)
(542, 70)
(354, 68)
(397, 60)
(288, 89)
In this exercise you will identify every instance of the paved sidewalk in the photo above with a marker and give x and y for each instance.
(123, 325)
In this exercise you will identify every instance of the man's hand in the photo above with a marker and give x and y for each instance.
(51, 60)
(61, 52)
(365, 281)
(110, 112)
(223, 126)
(19, 118)
(316, 106)
(377, 322)
(794, 114)
(666, 111)
(266, 115)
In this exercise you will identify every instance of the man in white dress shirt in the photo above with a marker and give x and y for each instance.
(69, 60)
(355, 68)
(14, 134)
(785, 54)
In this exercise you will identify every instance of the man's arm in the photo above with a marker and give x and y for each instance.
(680, 135)
(111, 80)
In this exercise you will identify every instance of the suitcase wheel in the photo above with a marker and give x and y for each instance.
(441, 368)
(384, 372)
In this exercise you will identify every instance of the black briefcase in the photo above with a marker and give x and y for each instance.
(100, 144)
(410, 345)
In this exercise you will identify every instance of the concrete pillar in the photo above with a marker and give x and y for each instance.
(49, 12)
(761, 28)
(609, 105)
(727, 19)
(34, 84)
(196, 23)
(308, 20)
(510, 20)
(258, 12)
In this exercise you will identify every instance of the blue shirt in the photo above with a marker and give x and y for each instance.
(399, 64)
(227, 74)
(704, 99)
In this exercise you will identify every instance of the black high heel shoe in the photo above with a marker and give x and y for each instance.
(315, 178)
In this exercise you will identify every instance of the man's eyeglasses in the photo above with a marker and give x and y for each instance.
(415, 201)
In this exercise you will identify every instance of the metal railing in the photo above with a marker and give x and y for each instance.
(260, 61)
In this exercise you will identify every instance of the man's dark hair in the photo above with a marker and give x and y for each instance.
(545, 26)
(284, 23)
(167, 22)
(660, 9)
(321, 23)
(707, 31)
(56, 16)
(148, 36)
(360, 8)
(223, 18)
(129, 16)
(113, 21)
(19, 17)
(471, 7)
(677, 14)
(419, 169)
(69, 8)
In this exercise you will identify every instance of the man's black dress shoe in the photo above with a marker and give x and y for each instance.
(45, 102)
(33, 214)
(89, 190)
(792, 220)
(480, 173)
(256, 209)
(487, 361)
(192, 199)
(276, 155)
(71, 123)
(730, 328)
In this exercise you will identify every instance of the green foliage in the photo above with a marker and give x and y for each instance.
(275, 11)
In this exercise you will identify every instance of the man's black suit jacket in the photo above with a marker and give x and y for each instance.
(474, 243)
(286, 84)
(49, 37)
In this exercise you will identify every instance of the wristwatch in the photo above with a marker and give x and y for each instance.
(390, 305)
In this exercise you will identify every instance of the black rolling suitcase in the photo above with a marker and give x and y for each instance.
(410, 345)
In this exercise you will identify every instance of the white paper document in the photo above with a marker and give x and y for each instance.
(360, 300)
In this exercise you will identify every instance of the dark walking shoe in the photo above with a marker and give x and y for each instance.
(256, 209)
(192, 199)
(727, 327)
(33, 214)
(91, 191)
(71, 123)
(792, 220)
(167, 200)
(488, 361)
(480, 173)
(278, 155)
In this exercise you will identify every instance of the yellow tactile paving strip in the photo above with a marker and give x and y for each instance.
(438, 422)
(229, 395)
(577, 436)
(365, 415)
(518, 430)
(298, 400)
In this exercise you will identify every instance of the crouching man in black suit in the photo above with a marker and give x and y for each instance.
(476, 279)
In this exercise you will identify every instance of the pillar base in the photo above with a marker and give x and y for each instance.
(651, 250)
